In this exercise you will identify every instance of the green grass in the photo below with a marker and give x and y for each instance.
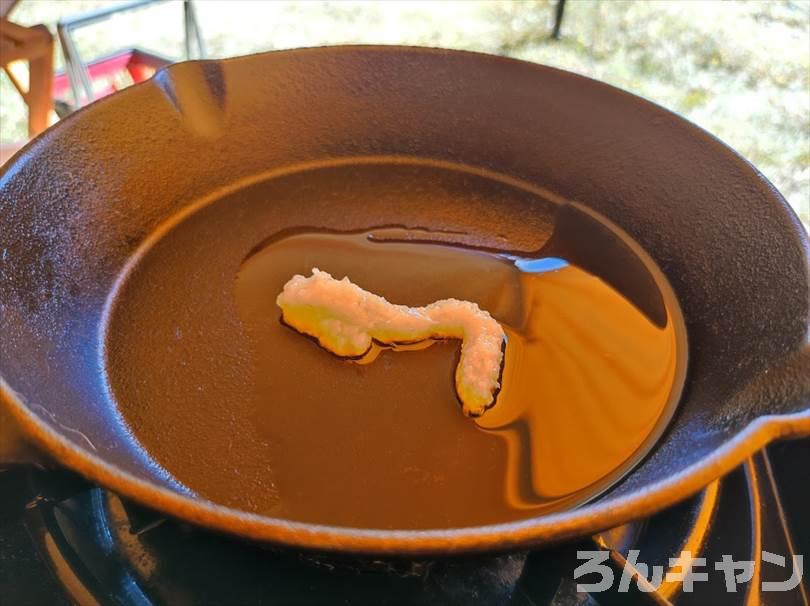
(739, 69)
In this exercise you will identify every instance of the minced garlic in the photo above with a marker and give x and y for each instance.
(346, 320)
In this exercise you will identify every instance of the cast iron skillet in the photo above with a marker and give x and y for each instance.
(79, 200)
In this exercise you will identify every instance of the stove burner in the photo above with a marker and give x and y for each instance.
(100, 549)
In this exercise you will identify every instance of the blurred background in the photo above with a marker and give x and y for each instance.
(740, 69)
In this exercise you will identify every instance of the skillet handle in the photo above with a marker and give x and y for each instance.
(783, 388)
(15, 449)
(29, 479)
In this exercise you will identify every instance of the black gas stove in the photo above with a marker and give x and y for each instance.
(66, 542)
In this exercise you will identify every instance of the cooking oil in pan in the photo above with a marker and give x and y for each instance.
(247, 412)
(588, 378)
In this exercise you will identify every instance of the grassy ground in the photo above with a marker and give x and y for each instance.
(739, 69)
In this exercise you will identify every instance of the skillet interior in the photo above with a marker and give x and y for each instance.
(246, 413)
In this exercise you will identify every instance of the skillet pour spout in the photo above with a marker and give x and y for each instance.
(79, 202)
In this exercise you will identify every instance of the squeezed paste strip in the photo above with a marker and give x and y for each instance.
(346, 320)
